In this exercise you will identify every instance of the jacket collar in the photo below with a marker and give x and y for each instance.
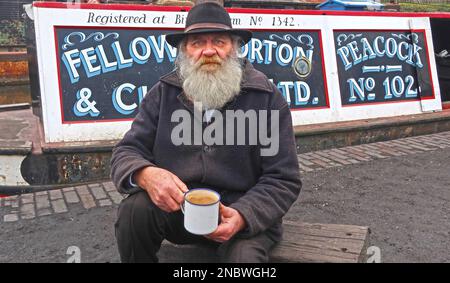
(252, 79)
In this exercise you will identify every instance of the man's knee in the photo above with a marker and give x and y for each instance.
(133, 203)
(136, 211)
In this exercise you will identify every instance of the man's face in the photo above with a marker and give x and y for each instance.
(209, 50)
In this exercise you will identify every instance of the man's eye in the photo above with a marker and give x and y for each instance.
(197, 43)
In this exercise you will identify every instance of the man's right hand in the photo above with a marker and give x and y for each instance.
(165, 189)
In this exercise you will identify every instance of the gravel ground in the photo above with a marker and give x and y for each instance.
(404, 200)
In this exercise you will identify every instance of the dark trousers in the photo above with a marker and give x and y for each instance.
(141, 227)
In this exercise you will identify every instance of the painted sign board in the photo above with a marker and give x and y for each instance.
(382, 66)
(97, 62)
(116, 68)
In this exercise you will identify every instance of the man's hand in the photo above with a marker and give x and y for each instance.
(165, 189)
(231, 223)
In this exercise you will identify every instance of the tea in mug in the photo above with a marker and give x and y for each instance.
(202, 197)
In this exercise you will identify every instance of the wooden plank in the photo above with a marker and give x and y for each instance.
(313, 242)
(324, 230)
(326, 227)
(338, 245)
(301, 252)
(311, 255)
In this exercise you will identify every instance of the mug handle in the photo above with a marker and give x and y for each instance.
(182, 207)
(184, 200)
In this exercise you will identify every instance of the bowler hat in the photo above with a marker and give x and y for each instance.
(207, 17)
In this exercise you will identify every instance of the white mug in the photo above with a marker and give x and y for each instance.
(201, 211)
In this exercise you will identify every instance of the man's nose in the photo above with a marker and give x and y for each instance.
(209, 50)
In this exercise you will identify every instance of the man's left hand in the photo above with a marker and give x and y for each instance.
(231, 223)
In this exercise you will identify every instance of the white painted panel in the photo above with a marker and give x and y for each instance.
(429, 104)
(10, 174)
(56, 131)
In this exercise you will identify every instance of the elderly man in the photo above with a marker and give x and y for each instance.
(256, 189)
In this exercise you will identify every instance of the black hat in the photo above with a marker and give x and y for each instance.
(205, 18)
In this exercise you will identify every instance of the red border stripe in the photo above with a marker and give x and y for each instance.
(445, 105)
(138, 7)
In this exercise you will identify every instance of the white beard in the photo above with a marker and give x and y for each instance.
(212, 89)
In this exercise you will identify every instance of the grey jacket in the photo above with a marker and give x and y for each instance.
(261, 188)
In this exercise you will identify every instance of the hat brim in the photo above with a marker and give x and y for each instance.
(175, 38)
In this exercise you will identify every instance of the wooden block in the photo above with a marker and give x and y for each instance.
(306, 242)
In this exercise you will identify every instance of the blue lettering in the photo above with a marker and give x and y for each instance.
(356, 88)
(269, 45)
(88, 57)
(414, 52)
(343, 53)
(376, 46)
(145, 46)
(367, 49)
(122, 63)
(254, 52)
(157, 47)
(283, 61)
(72, 61)
(400, 55)
(302, 93)
(118, 103)
(391, 47)
(106, 65)
(353, 47)
(170, 50)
